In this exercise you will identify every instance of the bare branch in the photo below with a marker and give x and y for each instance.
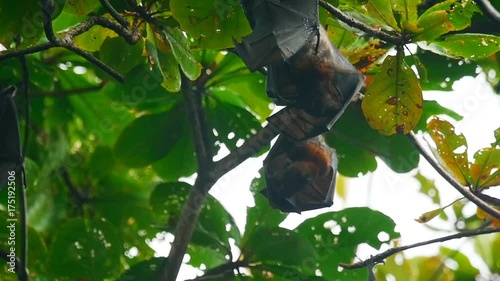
(465, 192)
(396, 40)
(489, 10)
(382, 256)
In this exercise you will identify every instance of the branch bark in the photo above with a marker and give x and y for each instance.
(385, 36)
(465, 192)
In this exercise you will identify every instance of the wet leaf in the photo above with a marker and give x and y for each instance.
(469, 46)
(213, 23)
(451, 149)
(393, 102)
(182, 53)
(444, 17)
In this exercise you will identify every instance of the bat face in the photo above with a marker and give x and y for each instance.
(280, 29)
(10, 148)
(300, 176)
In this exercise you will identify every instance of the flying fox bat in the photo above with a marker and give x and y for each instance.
(300, 176)
(280, 29)
(10, 147)
(305, 70)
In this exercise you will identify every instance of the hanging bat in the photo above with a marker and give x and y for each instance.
(10, 147)
(300, 176)
(280, 29)
(305, 70)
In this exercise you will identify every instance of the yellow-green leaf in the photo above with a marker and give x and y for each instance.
(450, 15)
(470, 46)
(393, 101)
(382, 10)
(451, 149)
(486, 167)
(427, 216)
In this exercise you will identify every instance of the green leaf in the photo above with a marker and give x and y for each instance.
(213, 23)
(150, 137)
(280, 272)
(182, 53)
(121, 56)
(470, 46)
(215, 226)
(432, 108)
(393, 102)
(428, 187)
(451, 149)
(465, 270)
(231, 123)
(486, 167)
(206, 256)
(181, 157)
(20, 20)
(80, 7)
(442, 72)
(444, 17)
(274, 244)
(336, 235)
(93, 39)
(91, 249)
(382, 10)
(145, 270)
(356, 141)
(261, 215)
(163, 62)
(488, 247)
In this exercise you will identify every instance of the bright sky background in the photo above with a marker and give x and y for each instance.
(396, 195)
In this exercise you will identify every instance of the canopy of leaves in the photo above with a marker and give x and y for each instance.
(108, 163)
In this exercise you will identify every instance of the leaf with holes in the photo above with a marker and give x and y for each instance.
(470, 46)
(393, 102)
(91, 249)
(446, 16)
(336, 235)
(213, 23)
(451, 150)
(486, 167)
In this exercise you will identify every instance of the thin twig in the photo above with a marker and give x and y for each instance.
(79, 198)
(21, 273)
(382, 256)
(489, 10)
(450, 179)
(396, 40)
(114, 13)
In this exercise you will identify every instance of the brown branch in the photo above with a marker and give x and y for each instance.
(221, 269)
(382, 256)
(192, 207)
(387, 37)
(450, 179)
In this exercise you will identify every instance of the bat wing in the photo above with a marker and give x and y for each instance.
(280, 29)
(10, 148)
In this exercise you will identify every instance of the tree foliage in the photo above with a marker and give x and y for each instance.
(110, 143)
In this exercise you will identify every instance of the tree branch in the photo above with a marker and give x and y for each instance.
(59, 93)
(380, 257)
(450, 179)
(489, 10)
(66, 41)
(192, 207)
(334, 11)
(21, 272)
(221, 269)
